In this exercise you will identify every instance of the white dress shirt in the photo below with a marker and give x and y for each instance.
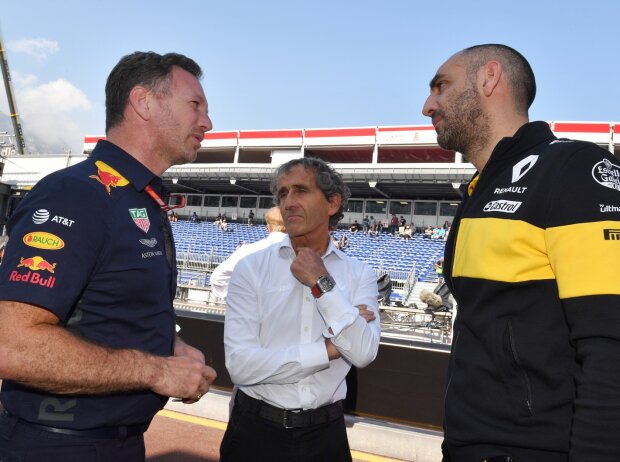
(275, 330)
(221, 275)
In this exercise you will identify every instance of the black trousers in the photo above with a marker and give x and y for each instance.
(250, 437)
(20, 442)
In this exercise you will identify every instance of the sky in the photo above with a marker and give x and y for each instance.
(275, 64)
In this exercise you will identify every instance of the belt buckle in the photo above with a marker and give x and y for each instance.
(285, 419)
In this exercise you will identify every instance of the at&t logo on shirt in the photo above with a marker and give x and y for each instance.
(41, 216)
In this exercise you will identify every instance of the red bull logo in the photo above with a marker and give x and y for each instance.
(34, 276)
(108, 177)
(36, 264)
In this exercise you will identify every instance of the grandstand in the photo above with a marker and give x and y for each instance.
(202, 246)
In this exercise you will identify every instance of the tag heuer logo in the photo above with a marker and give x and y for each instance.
(611, 234)
(141, 219)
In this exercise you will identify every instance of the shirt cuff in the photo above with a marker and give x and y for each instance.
(313, 357)
(337, 312)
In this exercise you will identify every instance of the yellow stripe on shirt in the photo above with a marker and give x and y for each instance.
(501, 250)
(586, 258)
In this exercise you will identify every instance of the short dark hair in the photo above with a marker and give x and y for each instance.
(520, 75)
(149, 69)
(328, 180)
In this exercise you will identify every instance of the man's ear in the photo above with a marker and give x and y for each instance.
(491, 76)
(334, 203)
(140, 100)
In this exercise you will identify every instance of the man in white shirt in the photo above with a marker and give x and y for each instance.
(299, 314)
(221, 275)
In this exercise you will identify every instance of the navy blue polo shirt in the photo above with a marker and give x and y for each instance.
(88, 244)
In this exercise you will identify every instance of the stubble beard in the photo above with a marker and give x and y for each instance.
(466, 126)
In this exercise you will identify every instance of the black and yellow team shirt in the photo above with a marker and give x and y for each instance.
(533, 261)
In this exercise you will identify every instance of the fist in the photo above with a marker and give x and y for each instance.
(308, 266)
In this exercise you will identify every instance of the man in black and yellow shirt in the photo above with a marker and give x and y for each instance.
(533, 260)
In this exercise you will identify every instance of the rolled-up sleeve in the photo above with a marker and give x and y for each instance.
(355, 338)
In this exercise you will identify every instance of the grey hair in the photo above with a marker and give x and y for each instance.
(328, 181)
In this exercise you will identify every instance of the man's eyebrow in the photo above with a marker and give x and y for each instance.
(433, 83)
(293, 186)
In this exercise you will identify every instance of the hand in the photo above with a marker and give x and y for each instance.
(332, 351)
(366, 313)
(308, 266)
(183, 377)
(183, 349)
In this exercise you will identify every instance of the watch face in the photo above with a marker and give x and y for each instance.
(326, 283)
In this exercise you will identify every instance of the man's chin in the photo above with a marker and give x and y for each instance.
(186, 158)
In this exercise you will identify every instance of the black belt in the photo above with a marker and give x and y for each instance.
(120, 432)
(499, 459)
(297, 418)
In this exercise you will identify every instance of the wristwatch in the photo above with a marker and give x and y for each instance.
(324, 284)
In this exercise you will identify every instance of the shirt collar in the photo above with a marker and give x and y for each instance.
(528, 136)
(137, 174)
(331, 248)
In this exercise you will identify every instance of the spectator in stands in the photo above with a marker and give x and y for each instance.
(439, 270)
(366, 224)
(173, 217)
(402, 222)
(278, 342)
(344, 242)
(223, 224)
(251, 218)
(88, 355)
(355, 227)
(373, 224)
(435, 233)
(407, 233)
(536, 329)
(221, 275)
(195, 218)
(393, 224)
(380, 226)
(428, 232)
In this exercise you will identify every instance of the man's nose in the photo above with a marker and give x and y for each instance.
(206, 123)
(430, 106)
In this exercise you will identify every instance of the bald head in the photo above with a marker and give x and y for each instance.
(274, 220)
(518, 71)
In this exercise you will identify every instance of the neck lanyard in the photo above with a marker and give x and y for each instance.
(158, 200)
(165, 226)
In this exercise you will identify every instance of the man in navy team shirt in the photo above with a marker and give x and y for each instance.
(88, 350)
